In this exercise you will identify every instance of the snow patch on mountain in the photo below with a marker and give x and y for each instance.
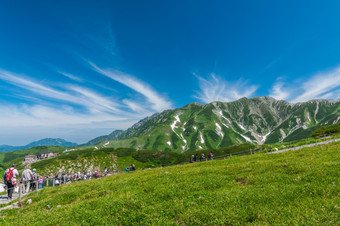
(202, 139)
(225, 125)
(219, 130)
(106, 144)
(309, 120)
(264, 138)
(241, 127)
(173, 125)
(246, 138)
(316, 111)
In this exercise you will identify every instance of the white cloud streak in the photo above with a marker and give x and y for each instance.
(278, 91)
(157, 102)
(79, 96)
(217, 89)
(325, 84)
(72, 77)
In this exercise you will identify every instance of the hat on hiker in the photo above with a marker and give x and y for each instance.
(13, 165)
(34, 170)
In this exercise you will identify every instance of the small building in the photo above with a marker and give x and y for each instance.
(45, 154)
(30, 158)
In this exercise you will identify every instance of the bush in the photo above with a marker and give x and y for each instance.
(158, 158)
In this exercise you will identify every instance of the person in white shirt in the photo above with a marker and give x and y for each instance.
(27, 177)
(11, 180)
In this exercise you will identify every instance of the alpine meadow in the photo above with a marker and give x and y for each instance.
(186, 112)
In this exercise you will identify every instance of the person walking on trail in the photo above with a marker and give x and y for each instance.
(106, 171)
(211, 155)
(26, 178)
(10, 178)
(195, 158)
(132, 167)
(35, 178)
(202, 158)
(40, 182)
(56, 180)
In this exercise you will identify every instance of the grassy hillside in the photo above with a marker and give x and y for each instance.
(119, 158)
(297, 187)
(8, 158)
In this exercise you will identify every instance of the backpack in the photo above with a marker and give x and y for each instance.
(9, 175)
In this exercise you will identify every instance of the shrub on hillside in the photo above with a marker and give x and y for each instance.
(158, 158)
(326, 130)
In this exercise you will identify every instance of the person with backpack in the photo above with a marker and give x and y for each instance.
(10, 178)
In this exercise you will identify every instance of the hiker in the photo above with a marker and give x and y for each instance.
(10, 178)
(56, 180)
(89, 174)
(34, 179)
(78, 176)
(210, 155)
(26, 178)
(132, 167)
(63, 178)
(84, 177)
(192, 158)
(202, 158)
(106, 170)
(195, 158)
(96, 175)
(40, 182)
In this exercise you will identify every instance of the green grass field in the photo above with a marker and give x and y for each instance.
(298, 187)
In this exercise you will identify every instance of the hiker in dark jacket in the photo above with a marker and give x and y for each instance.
(195, 158)
(202, 158)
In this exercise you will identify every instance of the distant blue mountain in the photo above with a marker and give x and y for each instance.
(43, 142)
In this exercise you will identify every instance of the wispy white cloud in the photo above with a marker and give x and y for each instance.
(70, 94)
(324, 84)
(217, 89)
(158, 103)
(36, 122)
(279, 91)
(73, 77)
(61, 106)
(136, 107)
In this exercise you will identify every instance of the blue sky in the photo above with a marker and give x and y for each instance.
(80, 69)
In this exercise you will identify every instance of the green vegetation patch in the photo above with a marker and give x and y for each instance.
(298, 187)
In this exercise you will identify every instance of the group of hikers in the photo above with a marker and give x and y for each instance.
(65, 179)
(130, 168)
(194, 158)
(30, 179)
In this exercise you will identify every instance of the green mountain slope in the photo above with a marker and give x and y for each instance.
(291, 188)
(258, 120)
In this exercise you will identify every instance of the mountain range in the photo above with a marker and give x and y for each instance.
(196, 126)
(43, 142)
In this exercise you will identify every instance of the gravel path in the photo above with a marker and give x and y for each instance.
(304, 146)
